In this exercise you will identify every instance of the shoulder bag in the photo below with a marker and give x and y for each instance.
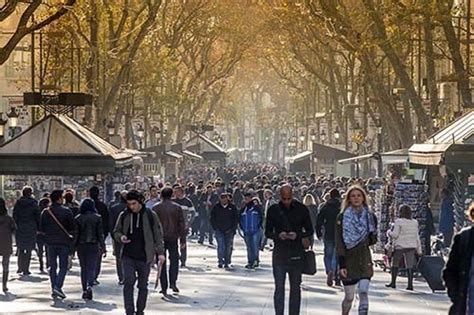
(48, 210)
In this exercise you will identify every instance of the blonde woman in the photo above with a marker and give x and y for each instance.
(356, 229)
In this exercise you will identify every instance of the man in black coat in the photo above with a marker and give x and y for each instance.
(104, 213)
(326, 221)
(59, 240)
(26, 214)
(457, 274)
(224, 220)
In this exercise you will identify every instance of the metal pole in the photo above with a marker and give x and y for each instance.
(468, 38)
(33, 109)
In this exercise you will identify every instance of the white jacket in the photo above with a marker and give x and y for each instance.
(405, 234)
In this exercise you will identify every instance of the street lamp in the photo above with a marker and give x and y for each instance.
(140, 134)
(13, 118)
(313, 135)
(111, 128)
(302, 136)
(337, 134)
(323, 136)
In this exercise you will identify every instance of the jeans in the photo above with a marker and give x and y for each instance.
(225, 239)
(279, 274)
(118, 259)
(330, 262)
(134, 270)
(363, 291)
(54, 252)
(183, 252)
(252, 241)
(88, 255)
(204, 228)
(172, 248)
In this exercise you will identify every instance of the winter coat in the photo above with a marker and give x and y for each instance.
(456, 275)
(446, 216)
(326, 219)
(53, 234)
(7, 227)
(104, 213)
(251, 218)
(152, 232)
(405, 234)
(224, 219)
(89, 229)
(357, 260)
(26, 214)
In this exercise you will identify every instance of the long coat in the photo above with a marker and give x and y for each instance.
(26, 214)
(7, 227)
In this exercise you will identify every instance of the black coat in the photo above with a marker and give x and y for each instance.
(26, 214)
(456, 273)
(224, 219)
(327, 219)
(53, 234)
(7, 227)
(104, 213)
(89, 229)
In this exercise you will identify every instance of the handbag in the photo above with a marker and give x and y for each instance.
(309, 256)
(48, 210)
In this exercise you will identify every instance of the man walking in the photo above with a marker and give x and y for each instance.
(139, 231)
(115, 212)
(172, 218)
(57, 225)
(287, 224)
(189, 214)
(251, 219)
(327, 219)
(104, 213)
(26, 214)
(207, 201)
(224, 221)
(154, 197)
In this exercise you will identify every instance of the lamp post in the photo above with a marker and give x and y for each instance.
(357, 129)
(157, 134)
(140, 134)
(302, 140)
(337, 134)
(111, 128)
(12, 121)
(378, 124)
(323, 136)
(3, 122)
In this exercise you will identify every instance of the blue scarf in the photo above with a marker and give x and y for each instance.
(356, 226)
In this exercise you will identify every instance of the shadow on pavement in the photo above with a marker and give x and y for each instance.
(8, 297)
(94, 304)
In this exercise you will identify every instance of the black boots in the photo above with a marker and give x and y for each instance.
(410, 279)
(4, 281)
(394, 273)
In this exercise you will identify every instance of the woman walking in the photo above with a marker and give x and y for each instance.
(90, 242)
(7, 227)
(310, 202)
(356, 229)
(40, 243)
(406, 242)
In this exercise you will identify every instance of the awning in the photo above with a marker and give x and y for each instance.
(428, 154)
(395, 157)
(356, 159)
(298, 157)
(173, 155)
(191, 155)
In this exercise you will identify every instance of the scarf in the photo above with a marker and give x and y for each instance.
(356, 226)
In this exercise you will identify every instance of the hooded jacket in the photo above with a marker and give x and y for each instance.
(89, 226)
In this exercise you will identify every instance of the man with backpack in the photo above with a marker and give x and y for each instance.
(139, 231)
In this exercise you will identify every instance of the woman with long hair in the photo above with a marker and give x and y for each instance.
(310, 202)
(356, 229)
(406, 242)
(7, 227)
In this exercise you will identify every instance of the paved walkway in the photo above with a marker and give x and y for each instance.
(208, 290)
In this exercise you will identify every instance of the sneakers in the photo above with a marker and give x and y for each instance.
(58, 293)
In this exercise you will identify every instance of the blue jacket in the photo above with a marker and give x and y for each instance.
(446, 217)
(251, 218)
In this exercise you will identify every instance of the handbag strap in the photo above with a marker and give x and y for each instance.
(58, 223)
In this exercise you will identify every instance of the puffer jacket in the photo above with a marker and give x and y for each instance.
(405, 234)
(251, 218)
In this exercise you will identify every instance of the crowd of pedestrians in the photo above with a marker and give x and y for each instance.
(267, 208)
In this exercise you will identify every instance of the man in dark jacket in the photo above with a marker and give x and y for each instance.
(326, 221)
(139, 231)
(172, 219)
(115, 212)
(189, 213)
(206, 202)
(195, 200)
(458, 272)
(58, 228)
(26, 214)
(104, 213)
(224, 221)
(288, 223)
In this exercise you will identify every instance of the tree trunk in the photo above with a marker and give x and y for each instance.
(430, 66)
